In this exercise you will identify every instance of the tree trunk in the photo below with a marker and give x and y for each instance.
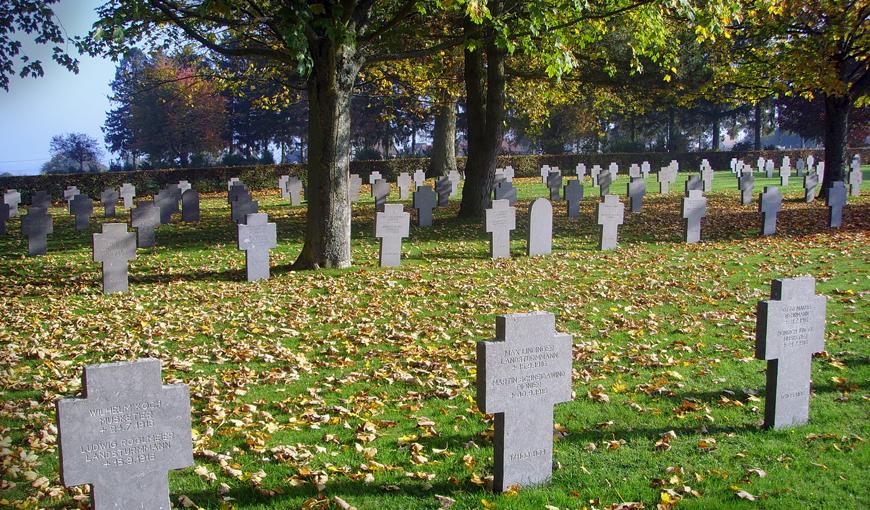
(716, 133)
(836, 133)
(443, 158)
(757, 126)
(330, 85)
(670, 144)
(485, 110)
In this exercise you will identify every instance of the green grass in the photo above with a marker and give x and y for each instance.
(288, 376)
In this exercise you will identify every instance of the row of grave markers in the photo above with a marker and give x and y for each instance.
(127, 430)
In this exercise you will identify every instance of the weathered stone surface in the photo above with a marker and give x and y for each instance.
(115, 247)
(540, 228)
(501, 218)
(380, 192)
(790, 329)
(295, 190)
(768, 168)
(391, 226)
(769, 205)
(811, 180)
(145, 217)
(40, 199)
(610, 213)
(545, 171)
(554, 182)
(236, 190)
(694, 182)
(69, 193)
(835, 202)
(667, 176)
(574, 195)
(633, 171)
(424, 201)
(605, 179)
(784, 174)
(635, 190)
(183, 186)
(443, 187)
(645, 169)
(455, 179)
(856, 177)
(419, 178)
(256, 237)
(108, 199)
(128, 193)
(166, 201)
(580, 171)
(241, 208)
(124, 435)
(354, 185)
(374, 177)
(746, 184)
(404, 184)
(505, 191)
(521, 375)
(190, 206)
(282, 186)
(36, 225)
(694, 209)
(82, 207)
(707, 175)
(13, 199)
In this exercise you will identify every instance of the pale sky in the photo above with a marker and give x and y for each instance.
(35, 109)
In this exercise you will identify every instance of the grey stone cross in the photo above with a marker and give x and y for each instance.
(769, 205)
(501, 218)
(574, 195)
(257, 236)
(167, 203)
(391, 226)
(236, 190)
(443, 188)
(694, 182)
(694, 208)
(856, 177)
(404, 184)
(595, 173)
(82, 207)
(124, 435)
(605, 179)
(183, 186)
(145, 217)
(40, 199)
(635, 190)
(811, 180)
(811, 160)
(554, 182)
(354, 184)
(373, 177)
(232, 182)
(614, 171)
(707, 176)
(241, 208)
(505, 191)
(521, 375)
(36, 225)
(580, 170)
(760, 163)
(109, 198)
(282, 186)
(611, 214)
(666, 176)
(294, 188)
(419, 178)
(454, 177)
(645, 169)
(13, 198)
(115, 247)
(784, 174)
(633, 171)
(380, 192)
(69, 193)
(540, 228)
(190, 206)
(746, 184)
(545, 171)
(128, 193)
(424, 201)
(801, 166)
(768, 168)
(790, 328)
(836, 201)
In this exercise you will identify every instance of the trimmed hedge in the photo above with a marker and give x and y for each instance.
(214, 179)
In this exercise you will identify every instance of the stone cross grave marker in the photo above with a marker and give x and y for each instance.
(36, 225)
(167, 203)
(611, 213)
(580, 170)
(733, 165)
(645, 169)
(294, 188)
(69, 193)
(769, 205)
(521, 375)
(811, 160)
(790, 328)
(190, 206)
(82, 207)
(145, 217)
(232, 182)
(768, 168)
(373, 177)
(124, 435)
(786, 161)
(404, 184)
(605, 179)
(236, 189)
(540, 228)
(501, 218)
(380, 191)
(505, 191)
(545, 171)
(694, 182)
(856, 177)
(443, 186)
(707, 177)
(353, 186)
(183, 186)
(667, 175)
(424, 200)
(40, 199)
(554, 182)
(419, 178)
(13, 198)
(128, 193)
(596, 172)
(784, 174)
(614, 171)
(391, 226)
(509, 173)
(633, 171)
(574, 195)
(746, 184)
(835, 202)
(694, 209)
(4, 216)
(109, 198)
(760, 163)
(115, 247)
(635, 190)
(800, 166)
(256, 237)
(811, 180)
(498, 177)
(454, 177)
(241, 208)
(282, 187)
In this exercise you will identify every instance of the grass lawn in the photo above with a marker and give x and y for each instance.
(317, 388)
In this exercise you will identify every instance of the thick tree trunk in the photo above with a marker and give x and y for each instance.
(327, 230)
(836, 134)
(757, 127)
(443, 158)
(485, 110)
